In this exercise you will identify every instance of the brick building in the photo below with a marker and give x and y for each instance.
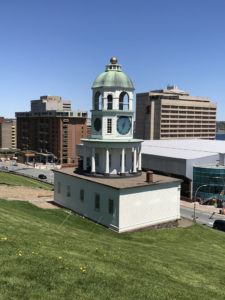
(51, 127)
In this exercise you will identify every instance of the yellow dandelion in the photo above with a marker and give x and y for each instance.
(60, 257)
(4, 238)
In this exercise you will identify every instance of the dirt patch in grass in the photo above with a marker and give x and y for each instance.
(36, 196)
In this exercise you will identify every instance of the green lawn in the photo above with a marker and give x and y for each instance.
(12, 179)
(48, 254)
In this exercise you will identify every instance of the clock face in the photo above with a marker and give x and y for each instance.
(97, 124)
(123, 125)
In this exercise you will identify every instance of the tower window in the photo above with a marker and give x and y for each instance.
(109, 125)
(124, 101)
(98, 101)
(110, 102)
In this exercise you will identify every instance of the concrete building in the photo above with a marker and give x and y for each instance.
(177, 158)
(110, 187)
(51, 127)
(8, 133)
(174, 114)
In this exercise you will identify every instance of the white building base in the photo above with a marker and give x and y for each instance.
(136, 203)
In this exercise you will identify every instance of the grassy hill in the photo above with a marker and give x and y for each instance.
(48, 254)
(12, 179)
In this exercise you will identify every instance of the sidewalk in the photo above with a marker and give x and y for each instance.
(199, 207)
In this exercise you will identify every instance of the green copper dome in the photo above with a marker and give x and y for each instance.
(113, 77)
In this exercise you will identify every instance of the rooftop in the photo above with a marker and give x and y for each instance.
(121, 183)
(183, 149)
(113, 77)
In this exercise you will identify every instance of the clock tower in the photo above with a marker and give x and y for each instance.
(112, 150)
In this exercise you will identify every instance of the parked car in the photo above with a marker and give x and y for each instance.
(219, 224)
(42, 176)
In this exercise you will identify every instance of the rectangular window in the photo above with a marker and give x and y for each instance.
(81, 195)
(59, 187)
(109, 125)
(111, 206)
(97, 202)
(68, 192)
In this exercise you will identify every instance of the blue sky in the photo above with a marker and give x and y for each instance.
(52, 47)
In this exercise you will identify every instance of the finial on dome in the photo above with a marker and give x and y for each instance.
(113, 60)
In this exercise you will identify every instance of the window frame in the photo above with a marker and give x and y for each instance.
(109, 125)
(111, 206)
(97, 202)
(109, 102)
(82, 195)
(68, 191)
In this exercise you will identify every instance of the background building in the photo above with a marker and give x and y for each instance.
(7, 133)
(51, 127)
(220, 130)
(177, 158)
(220, 126)
(171, 113)
(209, 181)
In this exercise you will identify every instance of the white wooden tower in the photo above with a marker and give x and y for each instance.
(112, 150)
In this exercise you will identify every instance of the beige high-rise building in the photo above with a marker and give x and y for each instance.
(173, 114)
(8, 133)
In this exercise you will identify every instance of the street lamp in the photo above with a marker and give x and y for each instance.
(194, 216)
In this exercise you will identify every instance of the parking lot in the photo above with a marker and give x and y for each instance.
(27, 170)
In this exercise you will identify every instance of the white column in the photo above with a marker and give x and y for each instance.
(130, 103)
(107, 161)
(85, 159)
(123, 161)
(93, 160)
(139, 159)
(135, 160)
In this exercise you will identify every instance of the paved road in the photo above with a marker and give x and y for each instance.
(29, 171)
(201, 217)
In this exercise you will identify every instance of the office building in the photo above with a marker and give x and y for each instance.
(51, 127)
(7, 133)
(174, 114)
